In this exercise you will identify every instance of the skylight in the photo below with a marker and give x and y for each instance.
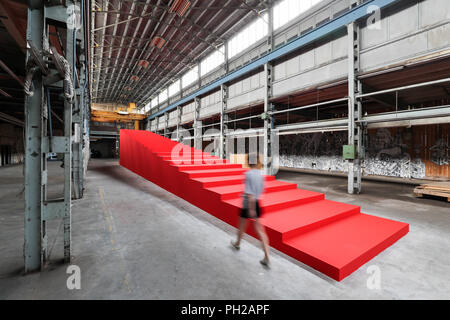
(287, 10)
(248, 36)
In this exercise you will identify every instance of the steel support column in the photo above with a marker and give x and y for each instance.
(48, 68)
(67, 219)
(166, 123)
(268, 120)
(270, 41)
(223, 121)
(79, 119)
(197, 125)
(355, 129)
(34, 248)
(179, 114)
(157, 124)
(46, 74)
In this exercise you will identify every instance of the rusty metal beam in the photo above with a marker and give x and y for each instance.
(10, 24)
(11, 73)
(5, 94)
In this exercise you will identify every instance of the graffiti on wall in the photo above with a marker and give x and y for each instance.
(439, 152)
(313, 151)
(387, 154)
(391, 155)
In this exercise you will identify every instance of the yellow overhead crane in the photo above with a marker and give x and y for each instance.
(125, 114)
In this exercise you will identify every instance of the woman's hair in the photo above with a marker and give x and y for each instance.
(254, 160)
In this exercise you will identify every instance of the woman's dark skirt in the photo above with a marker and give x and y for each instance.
(245, 211)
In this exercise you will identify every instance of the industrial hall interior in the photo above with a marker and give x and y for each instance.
(224, 149)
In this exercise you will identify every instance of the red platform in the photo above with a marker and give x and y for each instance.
(332, 237)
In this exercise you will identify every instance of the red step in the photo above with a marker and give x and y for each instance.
(340, 248)
(273, 201)
(213, 173)
(189, 167)
(192, 161)
(186, 154)
(197, 162)
(291, 222)
(209, 182)
(234, 191)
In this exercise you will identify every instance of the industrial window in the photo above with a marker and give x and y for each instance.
(147, 107)
(250, 35)
(163, 96)
(287, 10)
(174, 88)
(212, 61)
(190, 77)
(154, 102)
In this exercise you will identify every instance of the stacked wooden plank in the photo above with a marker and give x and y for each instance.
(438, 189)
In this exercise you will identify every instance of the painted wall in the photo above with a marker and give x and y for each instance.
(417, 152)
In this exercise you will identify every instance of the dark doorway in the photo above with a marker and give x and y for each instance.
(5, 152)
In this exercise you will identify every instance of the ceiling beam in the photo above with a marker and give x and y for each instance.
(11, 73)
(9, 20)
(172, 74)
(5, 94)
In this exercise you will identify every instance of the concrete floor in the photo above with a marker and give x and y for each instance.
(133, 240)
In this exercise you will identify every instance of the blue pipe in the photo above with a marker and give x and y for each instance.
(332, 26)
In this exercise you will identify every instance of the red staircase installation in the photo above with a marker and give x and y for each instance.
(332, 237)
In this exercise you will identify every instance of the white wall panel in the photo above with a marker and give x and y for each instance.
(246, 85)
(279, 71)
(411, 32)
(404, 22)
(323, 54)
(394, 52)
(339, 48)
(237, 88)
(307, 60)
(293, 32)
(210, 110)
(293, 66)
(433, 11)
(339, 6)
(161, 123)
(246, 98)
(307, 24)
(189, 108)
(316, 76)
(439, 37)
(374, 35)
(188, 113)
(254, 82)
(322, 15)
(187, 117)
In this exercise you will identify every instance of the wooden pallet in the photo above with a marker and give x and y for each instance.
(438, 189)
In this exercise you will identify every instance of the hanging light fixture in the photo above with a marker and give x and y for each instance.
(158, 42)
(143, 63)
(180, 7)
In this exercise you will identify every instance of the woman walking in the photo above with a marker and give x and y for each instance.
(254, 187)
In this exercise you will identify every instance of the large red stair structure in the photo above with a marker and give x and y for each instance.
(332, 237)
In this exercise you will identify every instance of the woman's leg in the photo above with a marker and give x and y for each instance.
(261, 231)
(242, 227)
